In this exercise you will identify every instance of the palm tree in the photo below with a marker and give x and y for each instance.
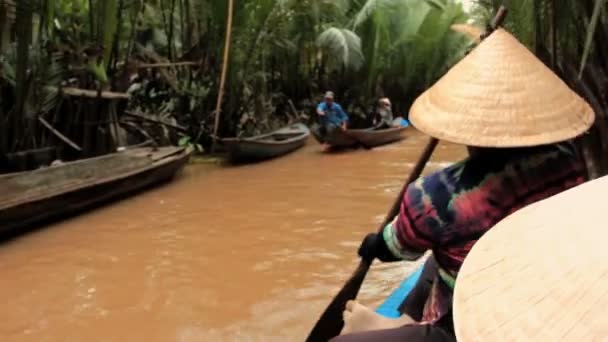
(280, 49)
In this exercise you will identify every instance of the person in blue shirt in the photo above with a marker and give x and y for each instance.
(331, 115)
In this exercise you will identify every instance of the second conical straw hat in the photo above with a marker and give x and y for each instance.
(540, 274)
(501, 95)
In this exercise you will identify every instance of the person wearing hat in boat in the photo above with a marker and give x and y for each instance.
(516, 118)
(331, 115)
(384, 114)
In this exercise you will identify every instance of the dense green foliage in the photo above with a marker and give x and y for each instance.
(167, 55)
(280, 50)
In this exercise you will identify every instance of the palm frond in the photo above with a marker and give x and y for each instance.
(438, 4)
(370, 7)
(343, 44)
(597, 11)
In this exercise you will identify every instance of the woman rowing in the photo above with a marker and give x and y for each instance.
(515, 117)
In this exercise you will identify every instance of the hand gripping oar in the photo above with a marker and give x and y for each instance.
(330, 324)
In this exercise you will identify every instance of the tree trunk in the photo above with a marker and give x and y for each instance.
(24, 38)
(218, 107)
(171, 31)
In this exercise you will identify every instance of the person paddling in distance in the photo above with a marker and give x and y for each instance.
(517, 128)
(384, 114)
(331, 116)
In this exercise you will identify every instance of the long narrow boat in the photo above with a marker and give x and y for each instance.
(337, 139)
(30, 198)
(266, 146)
(390, 307)
(368, 138)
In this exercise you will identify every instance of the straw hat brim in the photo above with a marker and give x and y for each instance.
(541, 274)
(501, 95)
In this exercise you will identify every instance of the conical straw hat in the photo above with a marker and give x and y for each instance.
(470, 31)
(540, 274)
(501, 95)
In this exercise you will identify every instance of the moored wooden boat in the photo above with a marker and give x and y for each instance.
(30, 198)
(266, 146)
(390, 307)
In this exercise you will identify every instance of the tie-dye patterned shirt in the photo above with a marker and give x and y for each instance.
(448, 211)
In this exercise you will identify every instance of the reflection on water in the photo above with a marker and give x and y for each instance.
(249, 253)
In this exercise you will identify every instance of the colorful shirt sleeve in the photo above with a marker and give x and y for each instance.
(405, 237)
(392, 242)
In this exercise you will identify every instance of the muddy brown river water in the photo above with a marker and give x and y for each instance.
(249, 253)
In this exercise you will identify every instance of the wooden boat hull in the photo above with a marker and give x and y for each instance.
(267, 146)
(337, 139)
(44, 195)
(390, 307)
(340, 139)
(370, 138)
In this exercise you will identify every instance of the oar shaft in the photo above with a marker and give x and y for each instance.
(330, 324)
(416, 172)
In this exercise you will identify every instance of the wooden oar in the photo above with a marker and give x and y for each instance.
(330, 324)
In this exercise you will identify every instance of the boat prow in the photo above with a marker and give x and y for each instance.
(390, 307)
(336, 139)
